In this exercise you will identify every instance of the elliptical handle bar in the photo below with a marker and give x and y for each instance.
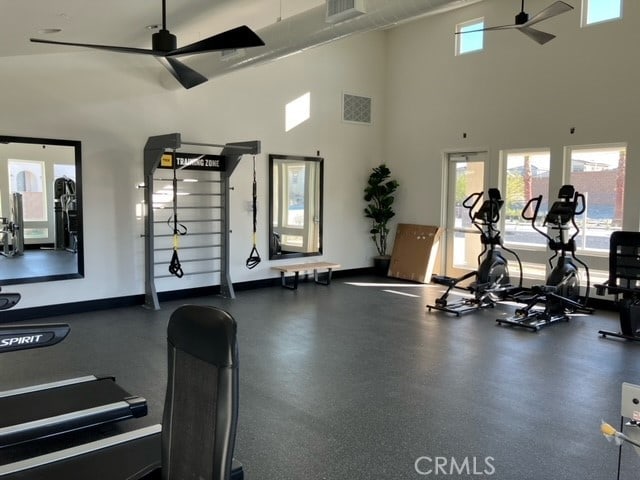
(471, 201)
(580, 200)
(532, 218)
(494, 211)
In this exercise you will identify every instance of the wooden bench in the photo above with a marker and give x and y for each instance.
(305, 267)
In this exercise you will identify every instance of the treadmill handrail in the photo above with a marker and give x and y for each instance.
(47, 386)
(65, 417)
(78, 450)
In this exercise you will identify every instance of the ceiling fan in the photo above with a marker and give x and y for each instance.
(524, 23)
(164, 48)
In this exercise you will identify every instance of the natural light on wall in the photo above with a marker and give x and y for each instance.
(297, 111)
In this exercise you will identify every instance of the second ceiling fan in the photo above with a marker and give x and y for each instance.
(164, 48)
(524, 23)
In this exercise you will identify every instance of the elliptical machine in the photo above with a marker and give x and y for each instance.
(561, 291)
(492, 282)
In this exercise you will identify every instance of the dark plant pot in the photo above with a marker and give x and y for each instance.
(381, 265)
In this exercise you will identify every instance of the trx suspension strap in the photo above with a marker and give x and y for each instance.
(178, 229)
(254, 256)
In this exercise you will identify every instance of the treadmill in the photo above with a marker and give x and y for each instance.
(133, 454)
(200, 334)
(48, 409)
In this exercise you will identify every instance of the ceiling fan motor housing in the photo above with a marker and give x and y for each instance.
(522, 18)
(163, 41)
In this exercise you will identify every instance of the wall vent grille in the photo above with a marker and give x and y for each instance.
(340, 10)
(356, 108)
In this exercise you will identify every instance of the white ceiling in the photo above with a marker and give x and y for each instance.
(123, 22)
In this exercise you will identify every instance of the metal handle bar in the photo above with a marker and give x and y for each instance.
(471, 201)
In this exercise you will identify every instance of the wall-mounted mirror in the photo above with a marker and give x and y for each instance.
(295, 206)
(40, 210)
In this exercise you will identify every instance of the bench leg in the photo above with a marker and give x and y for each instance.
(326, 281)
(293, 286)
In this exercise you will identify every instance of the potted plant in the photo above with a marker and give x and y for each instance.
(379, 193)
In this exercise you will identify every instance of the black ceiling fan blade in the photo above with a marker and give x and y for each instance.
(500, 27)
(110, 48)
(239, 37)
(552, 10)
(537, 35)
(187, 77)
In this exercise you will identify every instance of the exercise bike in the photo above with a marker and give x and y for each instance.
(561, 291)
(624, 283)
(492, 283)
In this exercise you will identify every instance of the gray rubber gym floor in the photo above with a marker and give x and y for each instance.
(358, 381)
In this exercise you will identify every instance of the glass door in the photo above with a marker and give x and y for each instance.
(466, 175)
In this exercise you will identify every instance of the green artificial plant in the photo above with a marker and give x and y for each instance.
(379, 193)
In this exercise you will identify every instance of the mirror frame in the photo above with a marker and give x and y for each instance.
(320, 162)
(77, 146)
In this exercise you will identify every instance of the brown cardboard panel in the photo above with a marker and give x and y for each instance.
(414, 252)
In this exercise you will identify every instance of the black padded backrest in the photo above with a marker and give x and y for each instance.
(567, 192)
(201, 403)
(494, 194)
(564, 209)
(624, 259)
(489, 211)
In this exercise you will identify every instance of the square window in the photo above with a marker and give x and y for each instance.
(469, 36)
(597, 11)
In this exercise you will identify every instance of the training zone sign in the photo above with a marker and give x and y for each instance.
(192, 161)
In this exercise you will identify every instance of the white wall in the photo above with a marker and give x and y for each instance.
(113, 103)
(514, 94)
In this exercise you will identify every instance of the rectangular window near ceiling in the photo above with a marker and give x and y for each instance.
(526, 174)
(469, 36)
(598, 172)
(597, 11)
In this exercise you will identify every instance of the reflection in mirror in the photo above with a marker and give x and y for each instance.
(295, 206)
(40, 210)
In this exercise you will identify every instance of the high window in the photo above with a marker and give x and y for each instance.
(469, 36)
(596, 11)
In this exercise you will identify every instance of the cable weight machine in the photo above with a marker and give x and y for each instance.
(65, 209)
(154, 150)
(12, 230)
